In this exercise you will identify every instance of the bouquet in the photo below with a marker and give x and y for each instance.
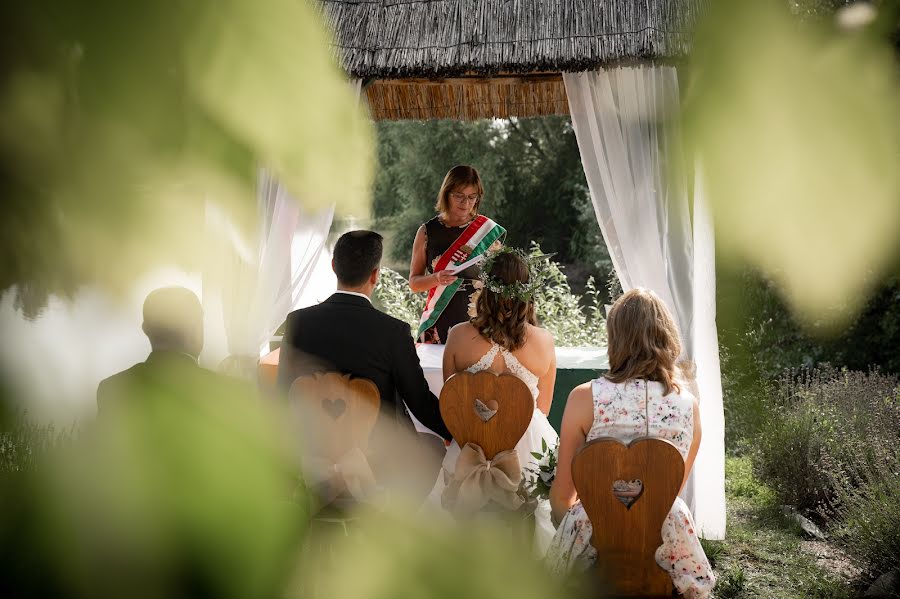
(540, 477)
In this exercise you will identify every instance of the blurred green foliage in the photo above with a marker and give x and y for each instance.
(197, 496)
(533, 179)
(798, 138)
(760, 338)
(397, 555)
(171, 494)
(118, 123)
(758, 321)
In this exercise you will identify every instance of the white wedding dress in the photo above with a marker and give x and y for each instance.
(539, 429)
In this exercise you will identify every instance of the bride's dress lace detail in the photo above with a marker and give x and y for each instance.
(512, 365)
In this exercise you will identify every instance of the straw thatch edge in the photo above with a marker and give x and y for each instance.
(400, 39)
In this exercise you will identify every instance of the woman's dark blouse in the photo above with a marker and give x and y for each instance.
(439, 237)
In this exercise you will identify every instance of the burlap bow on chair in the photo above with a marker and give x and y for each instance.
(478, 481)
(352, 472)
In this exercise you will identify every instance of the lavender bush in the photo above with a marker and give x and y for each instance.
(26, 441)
(831, 448)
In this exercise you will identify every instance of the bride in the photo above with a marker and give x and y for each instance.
(503, 337)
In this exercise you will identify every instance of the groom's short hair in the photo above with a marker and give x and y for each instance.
(356, 255)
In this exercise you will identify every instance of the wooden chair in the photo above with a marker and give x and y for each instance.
(267, 373)
(337, 414)
(493, 412)
(626, 536)
(505, 394)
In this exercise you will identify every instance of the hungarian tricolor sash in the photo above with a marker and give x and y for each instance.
(474, 241)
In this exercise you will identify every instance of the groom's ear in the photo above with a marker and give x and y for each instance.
(373, 278)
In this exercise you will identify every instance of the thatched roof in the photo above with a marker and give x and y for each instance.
(444, 49)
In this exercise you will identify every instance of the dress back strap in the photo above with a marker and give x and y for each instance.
(647, 405)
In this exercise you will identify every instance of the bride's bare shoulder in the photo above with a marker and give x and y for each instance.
(541, 335)
(461, 333)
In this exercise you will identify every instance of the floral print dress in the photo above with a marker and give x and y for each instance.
(620, 411)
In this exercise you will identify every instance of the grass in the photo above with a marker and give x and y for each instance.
(764, 554)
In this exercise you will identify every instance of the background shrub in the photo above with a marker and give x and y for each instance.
(24, 441)
(866, 518)
(573, 319)
(830, 448)
(393, 295)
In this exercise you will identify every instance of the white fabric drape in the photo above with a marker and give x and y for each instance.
(249, 290)
(625, 121)
(252, 287)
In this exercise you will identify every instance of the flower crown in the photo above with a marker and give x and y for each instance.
(537, 274)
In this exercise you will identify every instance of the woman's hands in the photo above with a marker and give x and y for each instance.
(418, 280)
(443, 277)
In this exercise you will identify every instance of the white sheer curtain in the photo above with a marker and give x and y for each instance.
(248, 288)
(625, 121)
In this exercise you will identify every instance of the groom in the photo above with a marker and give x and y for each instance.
(345, 333)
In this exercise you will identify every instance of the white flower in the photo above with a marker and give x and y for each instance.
(473, 304)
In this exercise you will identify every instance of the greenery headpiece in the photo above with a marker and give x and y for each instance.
(538, 271)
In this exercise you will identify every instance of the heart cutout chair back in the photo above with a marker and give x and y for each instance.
(502, 430)
(626, 536)
(336, 413)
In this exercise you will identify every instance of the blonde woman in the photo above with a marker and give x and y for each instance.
(455, 236)
(640, 396)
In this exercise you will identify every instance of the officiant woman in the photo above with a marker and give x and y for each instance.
(458, 234)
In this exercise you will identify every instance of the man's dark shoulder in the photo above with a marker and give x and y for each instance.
(326, 310)
(125, 377)
(392, 322)
(306, 313)
(170, 378)
(121, 384)
(396, 328)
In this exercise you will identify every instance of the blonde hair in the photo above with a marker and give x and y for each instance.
(643, 340)
(505, 320)
(459, 176)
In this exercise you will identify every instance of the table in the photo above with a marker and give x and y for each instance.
(574, 365)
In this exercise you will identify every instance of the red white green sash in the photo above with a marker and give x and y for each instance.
(474, 241)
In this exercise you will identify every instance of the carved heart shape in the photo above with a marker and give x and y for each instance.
(628, 491)
(334, 407)
(497, 434)
(486, 409)
(630, 536)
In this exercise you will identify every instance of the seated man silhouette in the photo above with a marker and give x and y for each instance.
(347, 334)
(173, 322)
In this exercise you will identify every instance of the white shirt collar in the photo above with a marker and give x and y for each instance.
(368, 299)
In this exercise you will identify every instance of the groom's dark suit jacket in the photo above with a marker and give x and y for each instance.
(345, 333)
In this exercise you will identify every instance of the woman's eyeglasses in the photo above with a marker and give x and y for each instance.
(461, 197)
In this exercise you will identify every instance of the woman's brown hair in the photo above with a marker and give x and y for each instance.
(504, 320)
(459, 177)
(643, 340)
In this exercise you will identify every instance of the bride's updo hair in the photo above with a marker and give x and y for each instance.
(643, 340)
(504, 320)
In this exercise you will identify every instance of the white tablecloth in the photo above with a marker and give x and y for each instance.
(431, 356)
